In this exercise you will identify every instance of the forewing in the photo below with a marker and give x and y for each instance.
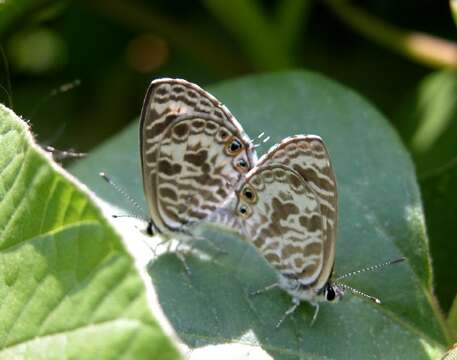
(282, 219)
(178, 123)
(308, 156)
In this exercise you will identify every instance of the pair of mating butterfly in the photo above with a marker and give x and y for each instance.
(199, 165)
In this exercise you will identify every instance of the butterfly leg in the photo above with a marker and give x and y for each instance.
(296, 303)
(316, 311)
(182, 257)
(59, 155)
(154, 249)
(260, 291)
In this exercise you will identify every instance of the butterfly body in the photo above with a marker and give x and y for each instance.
(329, 292)
(193, 154)
(286, 206)
(286, 217)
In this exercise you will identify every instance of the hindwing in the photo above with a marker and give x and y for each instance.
(293, 220)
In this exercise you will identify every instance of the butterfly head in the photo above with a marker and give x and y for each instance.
(332, 292)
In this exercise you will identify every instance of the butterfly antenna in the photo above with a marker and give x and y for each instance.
(58, 155)
(358, 292)
(130, 199)
(370, 268)
(134, 216)
(59, 90)
(259, 137)
(7, 89)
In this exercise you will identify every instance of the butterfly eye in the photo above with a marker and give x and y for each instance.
(249, 195)
(243, 163)
(244, 211)
(242, 166)
(330, 294)
(233, 147)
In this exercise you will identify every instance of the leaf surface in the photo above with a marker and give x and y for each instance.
(68, 287)
(381, 218)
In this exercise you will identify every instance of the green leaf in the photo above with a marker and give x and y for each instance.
(68, 288)
(381, 218)
(439, 189)
(429, 120)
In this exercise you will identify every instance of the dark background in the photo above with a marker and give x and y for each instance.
(401, 55)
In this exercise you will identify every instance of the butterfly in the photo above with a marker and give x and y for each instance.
(287, 207)
(193, 154)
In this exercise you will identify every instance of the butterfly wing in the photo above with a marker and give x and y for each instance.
(282, 219)
(293, 223)
(188, 160)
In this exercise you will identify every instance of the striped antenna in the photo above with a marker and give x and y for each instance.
(59, 90)
(126, 196)
(358, 292)
(369, 268)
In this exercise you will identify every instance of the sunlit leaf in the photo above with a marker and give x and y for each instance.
(68, 287)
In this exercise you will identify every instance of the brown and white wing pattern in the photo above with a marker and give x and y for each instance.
(193, 152)
(308, 156)
(282, 218)
(310, 214)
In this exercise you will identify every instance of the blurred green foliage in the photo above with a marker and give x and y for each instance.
(400, 55)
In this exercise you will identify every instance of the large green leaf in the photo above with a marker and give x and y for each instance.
(439, 189)
(380, 218)
(68, 288)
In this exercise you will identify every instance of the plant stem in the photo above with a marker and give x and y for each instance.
(420, 47)
(453, 7)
